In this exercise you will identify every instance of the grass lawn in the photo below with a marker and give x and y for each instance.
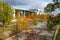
(58, 34)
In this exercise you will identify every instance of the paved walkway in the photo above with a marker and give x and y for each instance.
(41, 26)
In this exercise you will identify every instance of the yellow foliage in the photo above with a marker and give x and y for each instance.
(22, 28)
(28, 28)
(43, 17)
(22, 24)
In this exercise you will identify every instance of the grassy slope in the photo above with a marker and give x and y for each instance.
(58, 34)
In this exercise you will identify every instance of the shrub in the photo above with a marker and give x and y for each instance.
(49, 26)
(28, 27)
(30, 20)
(35, 22)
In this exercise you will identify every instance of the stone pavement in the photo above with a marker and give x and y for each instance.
(41, 26)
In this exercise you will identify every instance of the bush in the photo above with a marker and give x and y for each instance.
(35, 22)
(50, 26)
(30, 20)
(28, 27)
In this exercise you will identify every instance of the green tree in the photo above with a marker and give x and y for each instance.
(49, 8)
(6, 12)
(56, 5)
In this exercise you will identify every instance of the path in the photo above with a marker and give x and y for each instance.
(41, 26)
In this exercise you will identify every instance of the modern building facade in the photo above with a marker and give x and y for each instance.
(23, 13)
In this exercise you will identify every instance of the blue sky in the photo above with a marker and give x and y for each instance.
(29, 4)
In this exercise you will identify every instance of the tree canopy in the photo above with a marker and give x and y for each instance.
(51, 7)
(52, 21)
(57, 5)
(6, 12)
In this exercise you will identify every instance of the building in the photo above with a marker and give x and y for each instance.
(34, 10)
(23, 13)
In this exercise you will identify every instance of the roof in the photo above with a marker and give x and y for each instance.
(25, 10)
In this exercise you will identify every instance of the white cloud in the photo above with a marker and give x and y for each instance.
(32, 4)
(56, 11)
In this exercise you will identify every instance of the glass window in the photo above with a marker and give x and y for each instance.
(26, 13)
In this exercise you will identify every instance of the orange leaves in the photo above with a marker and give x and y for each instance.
(22, 24)
(23, 20)
(33, 16)
(53, 17)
